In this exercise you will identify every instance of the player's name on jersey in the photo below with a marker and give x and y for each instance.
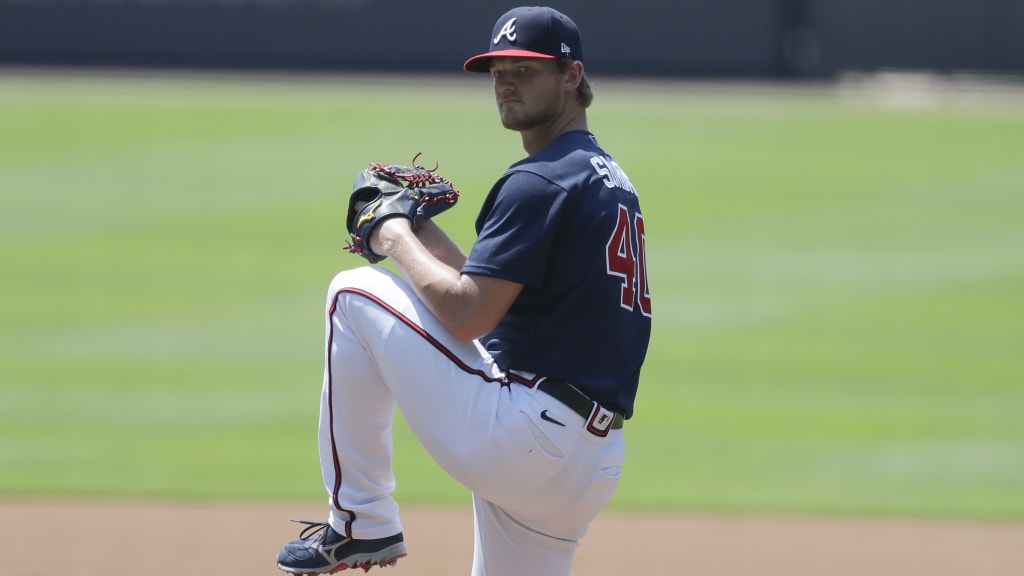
(614, 176)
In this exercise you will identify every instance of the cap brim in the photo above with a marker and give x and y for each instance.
(482, 62)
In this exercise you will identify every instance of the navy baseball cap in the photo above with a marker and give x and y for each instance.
(530, 32)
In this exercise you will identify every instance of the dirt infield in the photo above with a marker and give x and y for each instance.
(163, 539)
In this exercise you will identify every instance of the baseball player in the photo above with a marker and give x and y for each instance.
(515, 365)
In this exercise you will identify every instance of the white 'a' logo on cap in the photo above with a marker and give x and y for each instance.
(508, 31)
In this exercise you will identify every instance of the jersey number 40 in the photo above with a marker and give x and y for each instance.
(629, 263)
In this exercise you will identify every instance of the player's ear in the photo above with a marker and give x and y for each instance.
(573, 75)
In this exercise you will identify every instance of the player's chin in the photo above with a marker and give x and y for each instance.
(510, 125)
(513, 114)
(514, 121)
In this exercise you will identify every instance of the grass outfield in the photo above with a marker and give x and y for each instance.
(837, 287)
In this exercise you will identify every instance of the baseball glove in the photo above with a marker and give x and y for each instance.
(389, 190)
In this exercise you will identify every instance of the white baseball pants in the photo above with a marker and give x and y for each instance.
(536, 485)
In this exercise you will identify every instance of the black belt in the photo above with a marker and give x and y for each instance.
(599, 420)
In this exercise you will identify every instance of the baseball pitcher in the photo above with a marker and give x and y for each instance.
(515, 365)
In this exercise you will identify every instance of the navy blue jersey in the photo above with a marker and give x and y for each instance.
(566, 224)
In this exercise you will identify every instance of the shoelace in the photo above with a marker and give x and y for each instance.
(313, 529)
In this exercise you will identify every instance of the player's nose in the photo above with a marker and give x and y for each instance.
(502, 83)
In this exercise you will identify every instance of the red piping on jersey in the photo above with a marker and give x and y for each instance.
(330, 388)
(529, 383)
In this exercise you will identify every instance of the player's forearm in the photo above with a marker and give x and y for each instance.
(439, 244)
(438, 284)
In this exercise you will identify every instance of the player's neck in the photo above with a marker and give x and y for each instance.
(538, 138)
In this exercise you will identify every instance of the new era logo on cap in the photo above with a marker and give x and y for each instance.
(530, 32)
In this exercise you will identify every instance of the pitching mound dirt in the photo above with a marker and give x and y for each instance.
(164, 539)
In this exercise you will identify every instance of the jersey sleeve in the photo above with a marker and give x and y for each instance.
(516, 228)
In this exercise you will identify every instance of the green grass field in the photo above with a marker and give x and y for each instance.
(838, 287)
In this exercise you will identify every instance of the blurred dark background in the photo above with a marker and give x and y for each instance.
(692, 38)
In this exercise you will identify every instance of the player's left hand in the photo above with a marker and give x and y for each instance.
(383, 191)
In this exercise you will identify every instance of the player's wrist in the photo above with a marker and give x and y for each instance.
(388, 233)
